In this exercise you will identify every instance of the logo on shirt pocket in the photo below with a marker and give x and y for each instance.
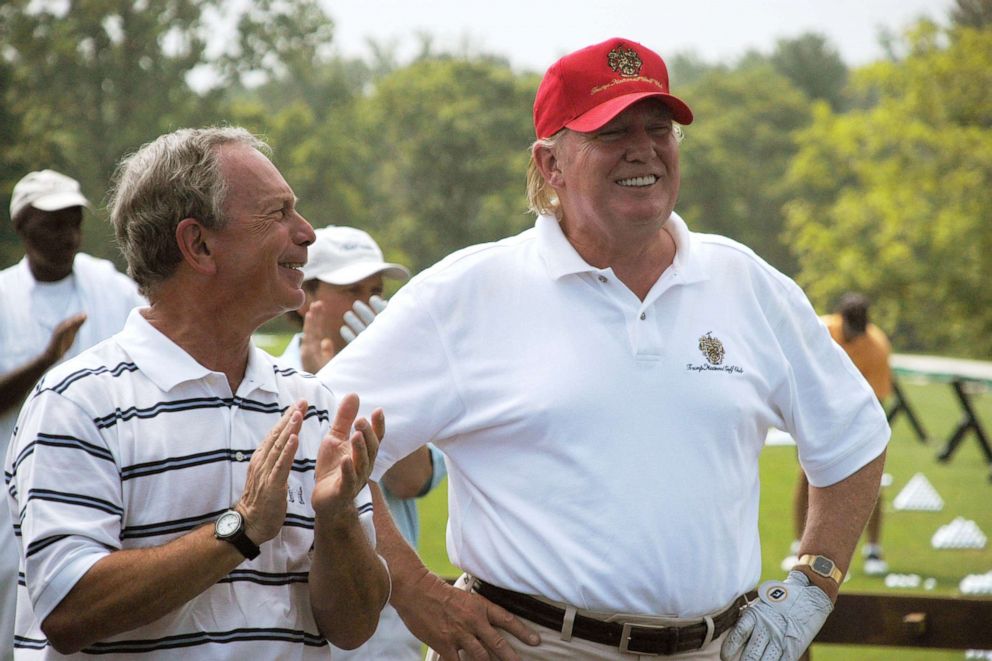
(295, 495)
(714, 352)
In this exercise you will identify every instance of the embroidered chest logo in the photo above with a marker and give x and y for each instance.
(712, 349)
(296, 495)
(625, 61)
(714, 352)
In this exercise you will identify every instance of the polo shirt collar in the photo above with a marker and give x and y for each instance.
(167, 364)
(562, 259)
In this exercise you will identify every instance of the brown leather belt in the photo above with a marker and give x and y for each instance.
(634, 638)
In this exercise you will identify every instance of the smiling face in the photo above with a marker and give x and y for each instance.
(622, 181)
(260, 251)
(51, 240)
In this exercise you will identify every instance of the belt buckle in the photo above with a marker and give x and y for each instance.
(627, 632)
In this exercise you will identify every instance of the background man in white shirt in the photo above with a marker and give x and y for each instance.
(54, 303)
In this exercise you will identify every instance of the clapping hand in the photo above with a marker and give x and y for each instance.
(62, 337)
(316, 346)
(345, 458)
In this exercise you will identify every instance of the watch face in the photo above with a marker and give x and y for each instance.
(822, 565)
(228, 524)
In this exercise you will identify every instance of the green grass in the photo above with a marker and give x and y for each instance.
(962, 483)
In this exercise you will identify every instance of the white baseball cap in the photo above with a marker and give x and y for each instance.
(345, 255)
(47, 190)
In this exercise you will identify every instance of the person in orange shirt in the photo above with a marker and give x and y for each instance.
(868, 348)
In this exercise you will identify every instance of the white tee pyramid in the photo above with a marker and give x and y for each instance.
(960, 533)
(918, 494)
(977, 584)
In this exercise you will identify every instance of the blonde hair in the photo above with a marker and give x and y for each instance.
(541, 197)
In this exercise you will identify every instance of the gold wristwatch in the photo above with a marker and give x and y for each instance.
(822, 565)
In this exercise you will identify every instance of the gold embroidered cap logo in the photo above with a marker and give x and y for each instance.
(625, 61)
(712, 349)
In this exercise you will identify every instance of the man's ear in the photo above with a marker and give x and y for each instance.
(547, 162)
(191, 237)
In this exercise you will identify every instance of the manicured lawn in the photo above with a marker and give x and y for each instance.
(962, 483)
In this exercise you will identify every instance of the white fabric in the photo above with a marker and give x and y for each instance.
(133, 444)
(596, 456)
(29, 312)
(27, 318)
(392, 641)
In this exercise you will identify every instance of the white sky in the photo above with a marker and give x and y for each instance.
(534, 33)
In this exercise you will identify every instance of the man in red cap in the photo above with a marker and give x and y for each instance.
(601, 386)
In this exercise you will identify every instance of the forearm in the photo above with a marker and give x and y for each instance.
(348, 584)
(405, 566)
(128, 589)
(408, 477)
(16, 384)
(836, 517)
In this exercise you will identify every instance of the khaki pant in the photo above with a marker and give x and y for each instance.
(554, 648)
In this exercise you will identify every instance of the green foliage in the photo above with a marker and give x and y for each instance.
(448, 142)
(877, 183)
(736, 154)
(972, 13)
(893, 200)
(93, 81)
(813, 65)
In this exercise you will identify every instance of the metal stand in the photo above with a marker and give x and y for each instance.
(901, 405)
(968, 423)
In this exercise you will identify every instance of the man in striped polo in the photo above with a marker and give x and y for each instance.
(172, 488)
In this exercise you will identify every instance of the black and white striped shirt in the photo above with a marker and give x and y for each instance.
(132, 444)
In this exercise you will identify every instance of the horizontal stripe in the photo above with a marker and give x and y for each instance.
(67, 498)
(265, 578)
(298, 521)
(205, 638)
(187, 640)
(200, 459)
(117, 370)
(25, 643)
(169, 527)
(199, 403)
(181, 462)
(43, 543)
(62, 441)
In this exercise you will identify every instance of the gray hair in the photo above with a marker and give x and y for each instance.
(541, 197)
(176, 176)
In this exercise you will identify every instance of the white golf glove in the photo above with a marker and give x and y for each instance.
(781, 623)
(357, 321)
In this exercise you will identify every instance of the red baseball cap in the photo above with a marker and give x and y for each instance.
(586, 89)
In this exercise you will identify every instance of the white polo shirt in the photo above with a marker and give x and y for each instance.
(132, 444)
(603, 451)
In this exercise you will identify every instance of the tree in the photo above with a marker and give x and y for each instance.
(736, 154)
(813, 65)
(91, 81)
(448, 142)
(972, 13)
(893, 200)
